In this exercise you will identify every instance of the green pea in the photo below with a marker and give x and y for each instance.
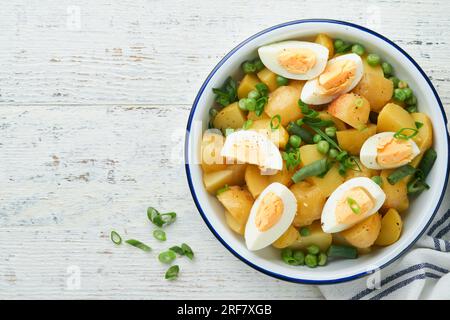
(411, 100)
(299, 257)
(377, 180)
(213, 112)
(313, 249)
(333, 153)
(248, 67)
(317, 138)
(254, 94)
(403, 84)
(395, 81)
(311, 260)
(295, 141)
(247, 104)
(338, 43)
(323, 146)
(304, 231)
(387, 69)
(373, 59)
(322, 259)
(408, 93)
(282, 81)
(358, 49)
(330, 131)
(286, 255)
(258, 64)
(399, 94)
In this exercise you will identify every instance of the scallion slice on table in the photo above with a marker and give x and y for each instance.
(116, 238)
(160, 235)
(138, 244)
(167, 256)
(160, 219)
(187, 251)
(177, 250)
(172, 272)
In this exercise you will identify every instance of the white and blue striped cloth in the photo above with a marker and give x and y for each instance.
(422, 273)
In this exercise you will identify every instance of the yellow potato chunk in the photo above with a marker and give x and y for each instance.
(251, 115)
(376, 89)
(238, 202)
(316, 236)
(310, 202)
(365, 172)
(268, 78)
(247, 84)
(230, 117)
(393, 118)
(284, 102)
(396, 195)
(232, 175)
(391, 228)
(352, 140)
(368, 69)
(329, 182)
(287, 238)
(234, 225)
(364, 233)
(284, 176)
(309, 154)
(278, 136)
(297, 84)
(327, 42)
(212, 143)
(339, 124)
(352, 109)
(255, 181)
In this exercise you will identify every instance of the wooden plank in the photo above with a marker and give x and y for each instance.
(159, 52)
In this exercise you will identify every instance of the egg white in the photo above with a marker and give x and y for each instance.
(369, 152)
(268, 151)
(312, 93)
(254, 238)
(328, 219)
(269, 57)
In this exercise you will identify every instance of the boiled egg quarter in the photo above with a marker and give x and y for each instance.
(352, 202)
(383, 151)
(248, 146)
(340, 76)
(271, 215)
(299, 60)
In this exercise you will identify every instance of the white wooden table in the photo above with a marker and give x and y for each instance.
(94, 99)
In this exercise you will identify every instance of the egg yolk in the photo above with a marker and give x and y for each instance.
(297, 61)
(391, 151)
(337, 76)
(355, 203)
(269, 212)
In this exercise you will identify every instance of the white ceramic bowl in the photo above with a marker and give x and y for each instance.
(422, 209)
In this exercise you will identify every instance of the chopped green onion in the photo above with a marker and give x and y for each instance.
(248, 67)
(400, 135)
(177, 250)
(395, 81)
(282, 81)
(399, 94)
(377, 180)
(116, 238)
(292, 159)
(400, 173)
(278, 123)
(304, 231)
(258, 64)
(187, 251)
(412, 109)
(315, 168)
(411, 101)
(227, 94)
(356, 208)
(160, 219)
(307, 111)
(419, 124)
(294, 128)
(247, 124)
(408, 93)
(222, 190)
(260, 104)
(262, 88)
(254, 94)
(138, 244)
(172, 272)
(167, 256)
(160, 235)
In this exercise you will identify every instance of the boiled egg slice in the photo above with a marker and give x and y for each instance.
(340, 76)
(271, 215)
(352, 202)
(384, 151)
(248, 146)
(299, 60)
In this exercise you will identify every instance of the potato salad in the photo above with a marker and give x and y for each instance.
(316, 149)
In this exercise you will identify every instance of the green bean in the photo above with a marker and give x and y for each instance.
(416, 186)
(377, 180)
(333, 153)
(347, 252)
(400, 173)
(427, 162)
(306, 136)
(315, 168)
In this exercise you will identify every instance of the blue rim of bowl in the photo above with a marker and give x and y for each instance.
(188, 173)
